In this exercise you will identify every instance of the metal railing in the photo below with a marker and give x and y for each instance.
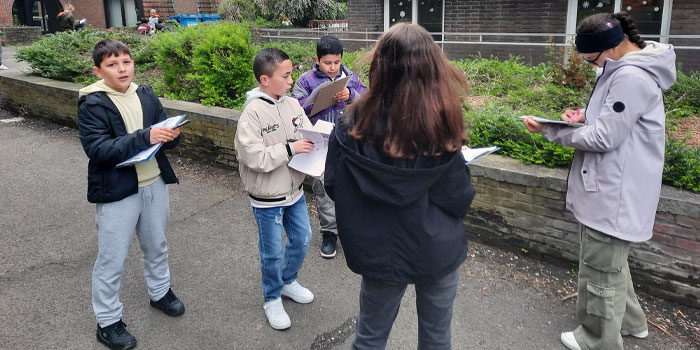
(479, 38)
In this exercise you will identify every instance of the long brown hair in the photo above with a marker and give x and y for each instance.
(414, 104)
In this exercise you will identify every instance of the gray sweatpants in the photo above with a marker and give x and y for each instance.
(325, 206)
(147, 212)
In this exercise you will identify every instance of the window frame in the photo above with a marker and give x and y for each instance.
(414, 14)
(572, 11)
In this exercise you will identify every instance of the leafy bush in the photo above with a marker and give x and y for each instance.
(301, 12)
(498, 126)
(526, 89)
(682, 165)
(210, 63)
(67, 56)
(683, 99)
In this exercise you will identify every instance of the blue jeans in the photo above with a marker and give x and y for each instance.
(276, 272)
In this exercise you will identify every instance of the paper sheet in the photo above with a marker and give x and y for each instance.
(148, 153)
(472, 154)
(314, 162)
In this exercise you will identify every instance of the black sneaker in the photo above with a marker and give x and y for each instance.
(170, 304)
(328, 245)
(116, 337)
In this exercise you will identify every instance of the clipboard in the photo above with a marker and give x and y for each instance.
(324, 96)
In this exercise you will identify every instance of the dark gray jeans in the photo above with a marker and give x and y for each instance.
(380, 302)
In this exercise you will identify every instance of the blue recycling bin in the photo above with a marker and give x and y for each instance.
(186, 20)
(209, 18)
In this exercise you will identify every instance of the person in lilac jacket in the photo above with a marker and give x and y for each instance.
(328, 67)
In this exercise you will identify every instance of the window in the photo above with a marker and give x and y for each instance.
(652, 17)
(591, 7)
(400, 11)
(647, 15)
(427, 13)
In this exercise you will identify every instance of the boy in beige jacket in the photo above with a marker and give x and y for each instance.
(266, 139)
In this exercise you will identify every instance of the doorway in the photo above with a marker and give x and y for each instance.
(38, 13)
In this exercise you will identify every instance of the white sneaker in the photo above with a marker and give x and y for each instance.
(276, 315)
(567, 338)
(640, 335)
(298, 293)
(4, 67)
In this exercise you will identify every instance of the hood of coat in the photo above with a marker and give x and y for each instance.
(100, 86)
(257, 94)
(657, 59)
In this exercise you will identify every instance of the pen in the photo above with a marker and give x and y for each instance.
(576, 113)
(181, 124)
(295, 140)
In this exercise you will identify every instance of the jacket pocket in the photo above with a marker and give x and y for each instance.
(589, 171)
(600, 301)
(602, 252)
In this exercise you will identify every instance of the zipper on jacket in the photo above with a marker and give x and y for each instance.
(279, 113)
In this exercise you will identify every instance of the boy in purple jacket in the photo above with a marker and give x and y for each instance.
(328, 67)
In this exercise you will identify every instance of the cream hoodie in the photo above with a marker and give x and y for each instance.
(129, 106)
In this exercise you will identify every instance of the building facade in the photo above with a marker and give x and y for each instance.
(98, 13)
(472, 27)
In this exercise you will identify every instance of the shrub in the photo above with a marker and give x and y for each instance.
(682, 165)
(62, 56)
(67, 56)
(210, 63)
(300, 12)
(498, 126)
(523, 88)
(683, 99)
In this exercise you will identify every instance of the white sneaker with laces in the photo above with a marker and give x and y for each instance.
(567, 338)
(640, 335)
(276, 315)
(4, 67)
(298, 293)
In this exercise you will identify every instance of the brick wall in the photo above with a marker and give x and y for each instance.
(188, 7)
(522, 206)
(517, 205)
(366, 15)
(19, 35)
(208, 137)
(93, 11)
(164, 7)
(513, 16)
(506, 16)
(208, 6)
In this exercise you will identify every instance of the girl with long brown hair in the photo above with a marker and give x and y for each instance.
(402, 188)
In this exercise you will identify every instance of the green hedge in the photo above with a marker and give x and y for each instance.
(67, 55)
(208, 63)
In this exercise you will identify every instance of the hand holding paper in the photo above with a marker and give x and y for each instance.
(314, 162)
(324, 95)
(148, 153)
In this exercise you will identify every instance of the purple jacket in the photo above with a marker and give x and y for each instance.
(308, 81)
